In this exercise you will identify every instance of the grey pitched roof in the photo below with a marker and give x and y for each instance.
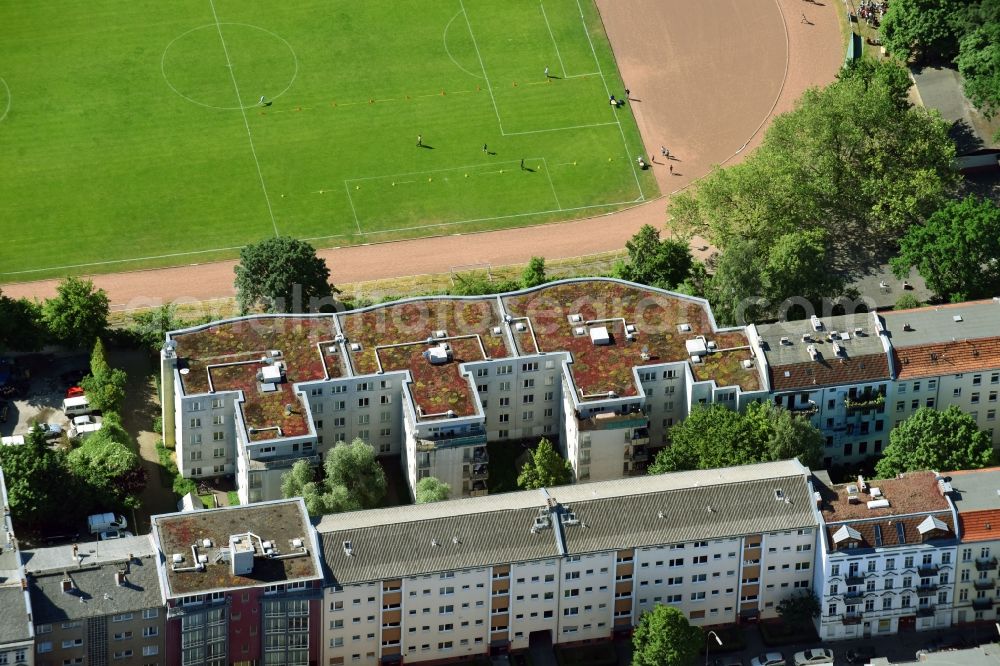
(14, 623)
(95, 591)
(689, 514)
(389, 543)
(15, 612)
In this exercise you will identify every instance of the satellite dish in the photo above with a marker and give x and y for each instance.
(185, 371)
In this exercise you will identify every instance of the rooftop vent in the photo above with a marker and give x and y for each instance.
(807, 337)
(696, 346)
(355, 346)
(569, 518)
(440, 333)
(497, 330)
(579, 331)
(348, 549)
(120, 578)
(177, 558)
(575, 318)
(859, 332)
(711, 346)
(206, 543)
(957, 318)
(834, 335)
(520, 326)
(876, 492)
(455, 540)
(296, 543)
(879, 504)
(838, 350)
(748, 363)
(684, 328)
(67, 584)
(434, 543)
(813, 354)
(785, 340)
(779, 494)
(817, 325)
(907, 327)
(439, 354)
(599, 335)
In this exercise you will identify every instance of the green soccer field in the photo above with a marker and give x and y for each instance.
(132, 134)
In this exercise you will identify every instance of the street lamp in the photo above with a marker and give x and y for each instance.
(708, 643)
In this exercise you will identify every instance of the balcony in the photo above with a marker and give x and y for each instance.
(478, 456)
(927, 570)
(864, 403)
(806, 410)
(478, 472)
(851, 618)
(926, 611)
(479, 489)
(855, 579)
(982, 604)
(926, 590)
(986, 563)
(987, 584)
(639, 454)
(856, 594)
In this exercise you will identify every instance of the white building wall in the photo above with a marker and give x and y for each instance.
(586, 601)
(534, 603)
(446, 616)
(351, 624)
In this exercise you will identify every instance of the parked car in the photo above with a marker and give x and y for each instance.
(74, 392)
(51, 430)
(768, 659)
(113, 534)
(4, 411)
(813, 656)
(861, 654)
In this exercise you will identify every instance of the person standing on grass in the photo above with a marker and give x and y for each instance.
(522, 164)
(420, 141)
(546, 72)
(486, 149)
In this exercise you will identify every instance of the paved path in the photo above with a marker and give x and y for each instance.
(707, 76)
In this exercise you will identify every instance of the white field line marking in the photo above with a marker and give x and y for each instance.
(420, 173)
(498, 217)
(444, 38)
(558, 129)
(9, 98)
(489, 86)
(562, 67)
(246, 123)
(122, 261)
(551, 184)
(350, 200)
(607, 90)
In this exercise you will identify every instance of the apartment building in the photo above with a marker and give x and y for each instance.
(948, 355)
(240, 585)
(977, 591)
(887, 555)
(836, 372)
(442, 581)
(97, 603)
(602, 367)
(16, 630)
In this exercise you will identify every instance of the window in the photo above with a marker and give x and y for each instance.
(149, 632)
(218, 436)
(150, 650)
(195, 422)
(71, 643)
(957, 392)
(362, 402)
(44, 647)
(124, 654)
(385, 399)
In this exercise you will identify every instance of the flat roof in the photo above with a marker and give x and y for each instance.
(279, 522)
(937, 324)
(976, 494)
(398, 336)
(228, 355)
(660, 324)
(913, 492)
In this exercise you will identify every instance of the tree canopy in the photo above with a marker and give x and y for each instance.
(107, 464)
(104, 386)
(353, 479)
(937, 440)
(716, 436)
(534, 273)
(77, 314)
(799, 610)
(282, 274)
(21, 325)
(35, 479)
(664, 637)
(957, 251)
(545, 469)
(430, 489)
(655, 262)
(925, 30)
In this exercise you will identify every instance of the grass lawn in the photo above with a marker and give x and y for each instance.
(132, 136)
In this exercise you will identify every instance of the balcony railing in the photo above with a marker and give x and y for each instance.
(986, 563)
(926, 590)
(927, 569)
(865, 402)
(851, 618)
(856, 594)
(640, 454)
(987, 584)
(982, 604)
(854, 579)
(926, 611)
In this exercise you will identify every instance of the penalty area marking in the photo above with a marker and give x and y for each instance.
(216, 25)
(6, 109)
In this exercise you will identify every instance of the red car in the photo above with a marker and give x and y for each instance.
(74, 392)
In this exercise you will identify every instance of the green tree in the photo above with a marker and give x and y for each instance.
(926, 30)
(937, 440)
(658, 263)
(106, 461)
(35, 479)
(906, 302)
(957, 252)
(664, 637)
(534, 273)
(430, 489)
(979, 63)
(716, 436)
(799, 610)
(355, 466)
(282, 274)
(77, 314)
(545, 469)
(301, 481)
(854, 156)
(104, 386)
(150, 327)
(21, 325)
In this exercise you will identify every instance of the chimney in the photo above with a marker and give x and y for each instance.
(120, 578)
(67, 584)
(861, 484)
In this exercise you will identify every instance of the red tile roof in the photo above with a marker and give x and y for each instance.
(826, 372)
(980, 525)
(947, 358)
(889, 529)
